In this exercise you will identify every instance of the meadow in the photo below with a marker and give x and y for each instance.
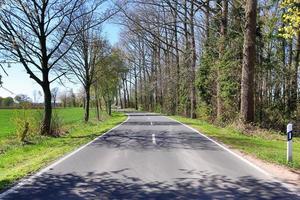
(18, 160)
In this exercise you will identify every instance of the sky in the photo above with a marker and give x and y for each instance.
(18, 81)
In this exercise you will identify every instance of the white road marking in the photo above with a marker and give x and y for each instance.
(31, 178)
(238, 156)
(151, 123)
(153, 139)
(225, 148)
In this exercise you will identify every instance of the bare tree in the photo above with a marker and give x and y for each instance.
(88, 50)
(32, 32)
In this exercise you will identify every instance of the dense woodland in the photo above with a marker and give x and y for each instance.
(220, 60)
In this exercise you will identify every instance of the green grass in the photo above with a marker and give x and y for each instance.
(20, 160)
(266, 145)
(6, 124)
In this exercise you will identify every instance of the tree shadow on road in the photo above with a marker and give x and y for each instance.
(152, 123)
(119, 185)
(142, 140)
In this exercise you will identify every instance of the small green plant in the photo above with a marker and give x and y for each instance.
(157, 108)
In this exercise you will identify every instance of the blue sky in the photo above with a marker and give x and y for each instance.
(18, 80)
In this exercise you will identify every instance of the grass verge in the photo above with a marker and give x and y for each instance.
(265, 145)
(20, 160)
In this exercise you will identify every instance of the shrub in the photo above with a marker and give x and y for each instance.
(27, 122)
(56, 125)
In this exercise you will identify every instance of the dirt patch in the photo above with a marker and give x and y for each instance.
(282, 173)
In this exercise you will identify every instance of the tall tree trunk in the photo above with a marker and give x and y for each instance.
(135, 88)
(109, 107)
(124, 94)
(121, 102)
(187, 58)
(247, 98)
(97, 103)
(46, 123)
(87, 104)
(207, 22)
(294, 89)
(290, 62)
(283, 43)
(193, 64)
(177, 55)
(127, 92)
(223, 32)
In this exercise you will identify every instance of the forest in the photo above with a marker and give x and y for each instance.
(223, 61)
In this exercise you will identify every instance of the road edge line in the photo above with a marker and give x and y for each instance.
(294, 190)
(59, 160)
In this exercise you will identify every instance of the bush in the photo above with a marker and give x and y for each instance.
(56, 125)
(157, 108)
(27, 122)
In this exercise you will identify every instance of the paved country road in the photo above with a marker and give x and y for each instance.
(151, 157)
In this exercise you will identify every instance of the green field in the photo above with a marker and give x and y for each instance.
(68, 115)
(265, 145)
(18, 160)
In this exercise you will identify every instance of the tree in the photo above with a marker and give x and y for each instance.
(54, 93)
(249, 54)
(291, 29)
(7, 102)
(82, 59)
(22, 98)
(32, 32)
(109, 72)
(291, 17)
(87, 49)
(223, 33)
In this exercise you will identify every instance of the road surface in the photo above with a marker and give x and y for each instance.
(151, 157)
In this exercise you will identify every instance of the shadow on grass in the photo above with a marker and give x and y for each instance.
(120, 185)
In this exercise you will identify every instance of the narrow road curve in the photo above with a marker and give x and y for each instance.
(151, 157)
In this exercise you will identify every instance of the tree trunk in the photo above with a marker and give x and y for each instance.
(294, 89)
(124, 95)
(135, 89)
(177, 56)
(121, 102)
(87, 104)
(193, 64)
(290, 62)
(46, 123)
(109, 107)
(97, 103)
(247, 83)
(187, 59)
(207, 22)
(223, 32)
(97, 110)
(127, 92)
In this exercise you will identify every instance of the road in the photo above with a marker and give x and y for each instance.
(151, 157)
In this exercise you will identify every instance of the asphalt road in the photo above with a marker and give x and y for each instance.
(152, 157)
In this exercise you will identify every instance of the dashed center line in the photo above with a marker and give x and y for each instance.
(153, 139)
